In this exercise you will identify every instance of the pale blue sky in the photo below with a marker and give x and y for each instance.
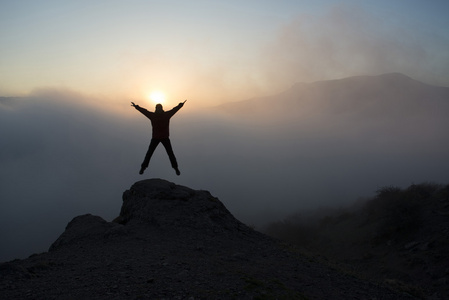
(215, 51)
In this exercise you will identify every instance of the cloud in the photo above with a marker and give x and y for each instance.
(348, 41)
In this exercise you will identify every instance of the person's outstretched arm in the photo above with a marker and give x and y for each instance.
(176, 108)
(142, 110)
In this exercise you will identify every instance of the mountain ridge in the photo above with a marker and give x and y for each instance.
(340, 95)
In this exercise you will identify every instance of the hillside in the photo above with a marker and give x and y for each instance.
(389, 105)
(400, 236)
(172, 242)
(370, 95)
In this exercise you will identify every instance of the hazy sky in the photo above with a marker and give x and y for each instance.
(215, 51)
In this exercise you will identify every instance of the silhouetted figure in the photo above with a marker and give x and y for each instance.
(160, 121)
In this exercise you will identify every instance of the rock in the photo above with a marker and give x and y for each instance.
(85, 227)
(174, 242)
(159, 204)
(156, 202)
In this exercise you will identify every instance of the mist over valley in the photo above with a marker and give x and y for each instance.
(315, 145)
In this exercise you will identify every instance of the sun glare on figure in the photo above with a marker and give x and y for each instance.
(157, 97)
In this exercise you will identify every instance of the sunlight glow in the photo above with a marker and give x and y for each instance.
(157, 97)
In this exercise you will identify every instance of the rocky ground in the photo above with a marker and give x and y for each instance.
(172, 242)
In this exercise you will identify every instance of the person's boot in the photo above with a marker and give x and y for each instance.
(177, 171)
(142, 169)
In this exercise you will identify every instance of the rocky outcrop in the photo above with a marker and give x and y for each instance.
(156, 204)
(160, 203)
(85, 229)
(172, 242)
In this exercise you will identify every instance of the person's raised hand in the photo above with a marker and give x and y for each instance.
(133, 105)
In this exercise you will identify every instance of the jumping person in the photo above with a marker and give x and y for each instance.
(160, 121)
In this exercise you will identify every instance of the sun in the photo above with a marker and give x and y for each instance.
(157, 97)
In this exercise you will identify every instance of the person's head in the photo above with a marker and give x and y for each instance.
(159, 108)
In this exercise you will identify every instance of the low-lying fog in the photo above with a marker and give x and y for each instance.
(61, 157)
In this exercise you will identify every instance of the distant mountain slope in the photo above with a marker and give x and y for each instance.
(173, 242)
(400, 236)
(385, 113)
(392, 95)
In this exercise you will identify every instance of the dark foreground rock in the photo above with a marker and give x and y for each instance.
(172, 242)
